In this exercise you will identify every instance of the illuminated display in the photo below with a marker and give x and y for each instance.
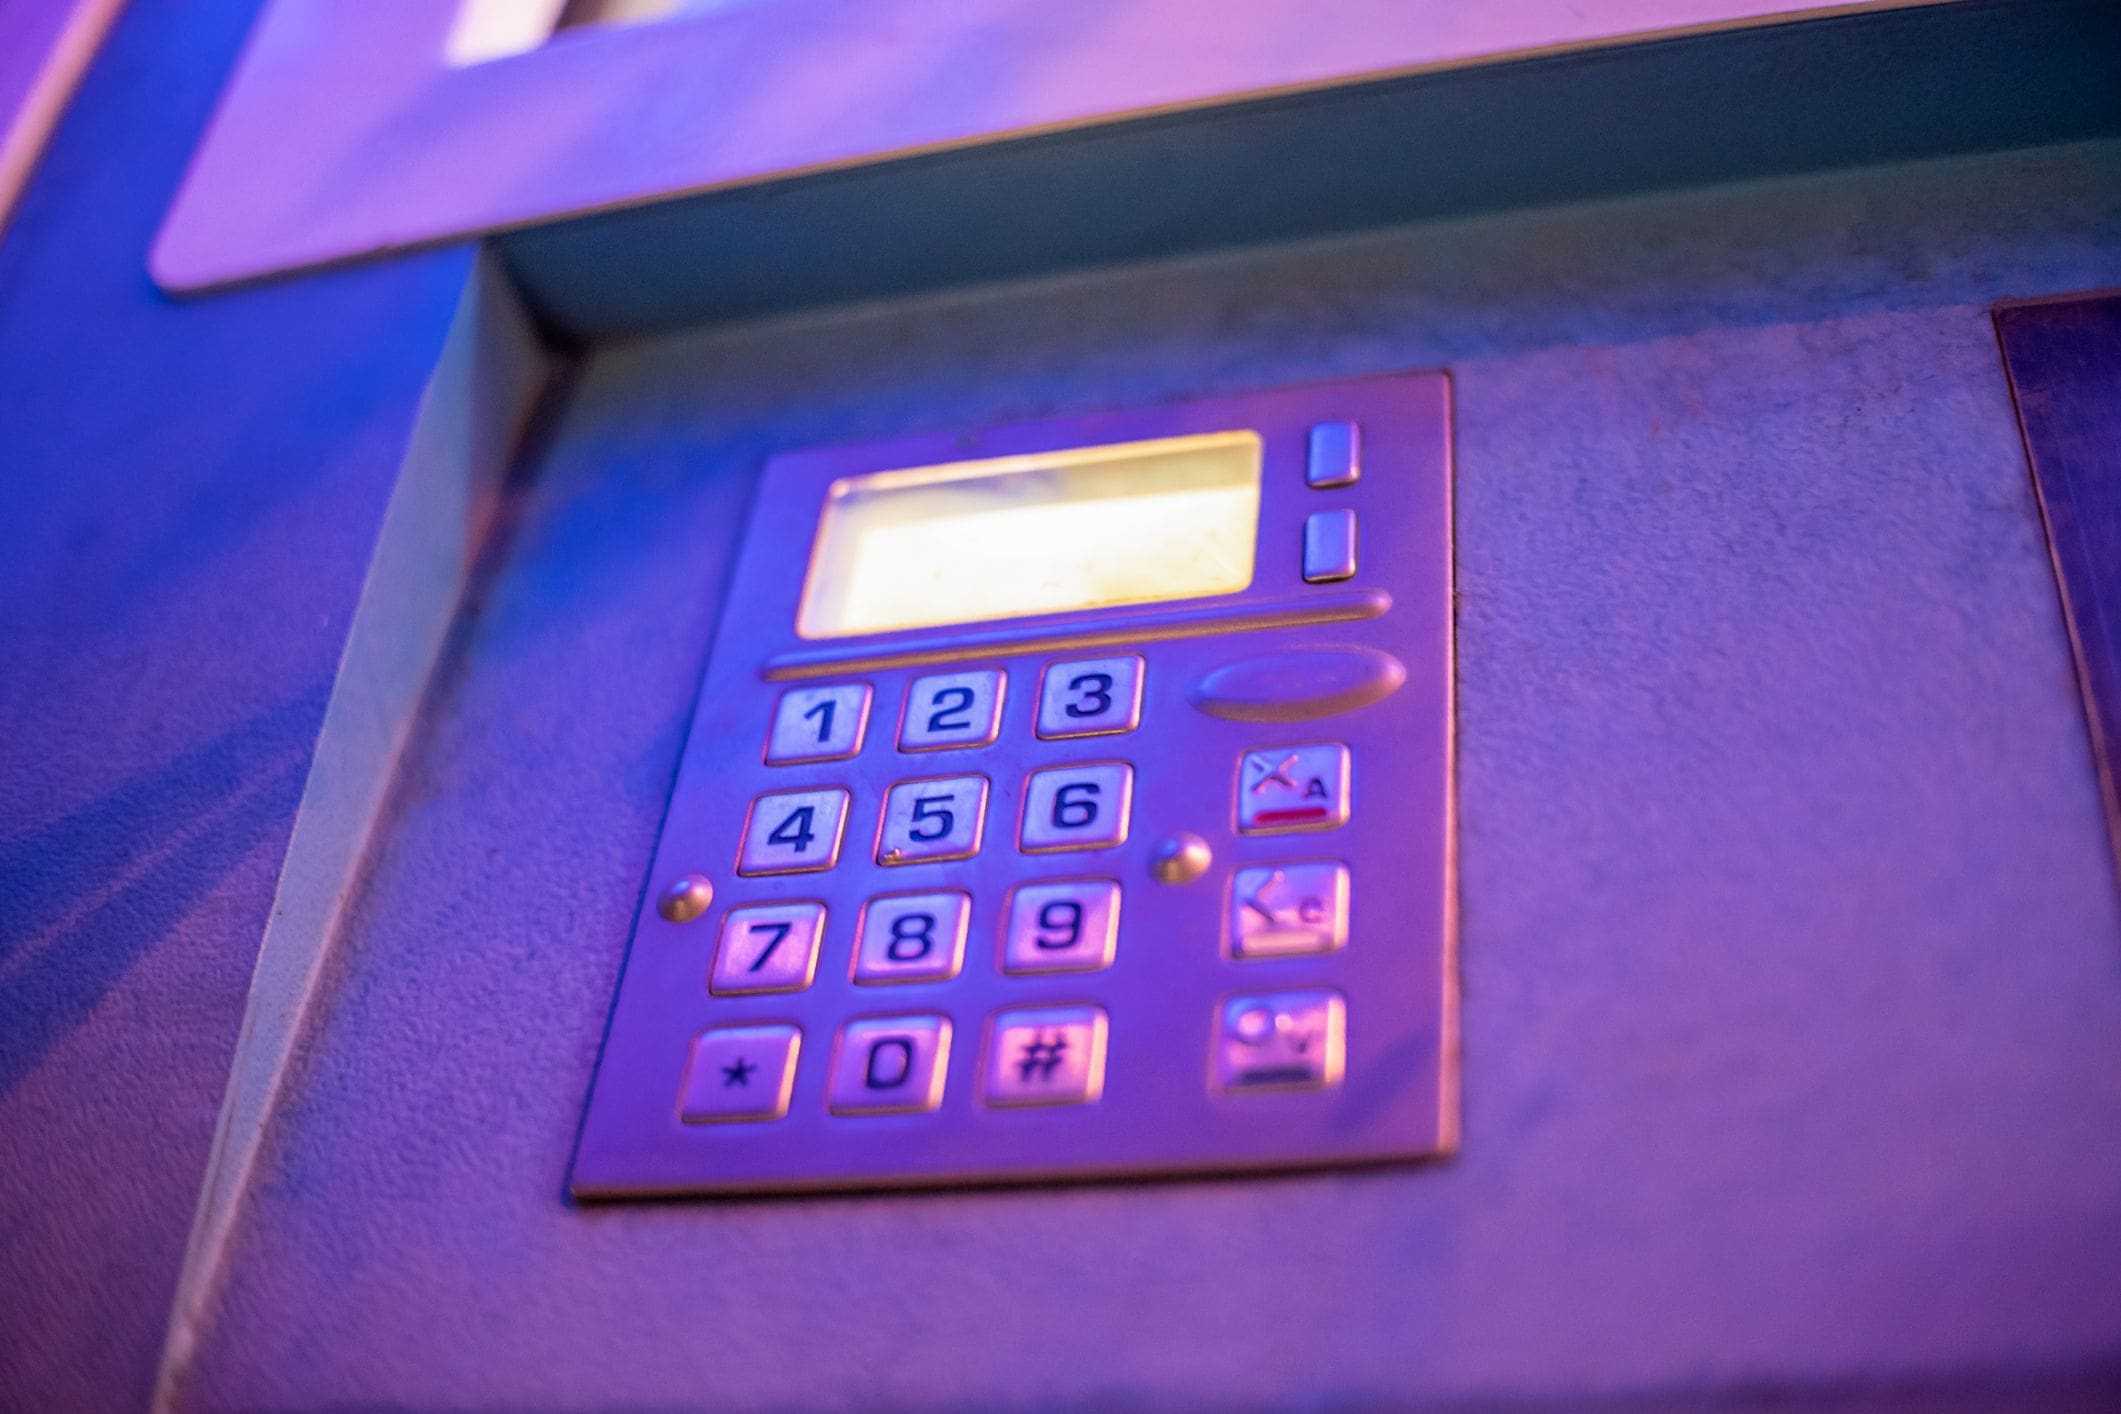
(1087, 528)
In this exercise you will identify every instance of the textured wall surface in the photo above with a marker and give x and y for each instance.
(188, 498)
(1792, 956)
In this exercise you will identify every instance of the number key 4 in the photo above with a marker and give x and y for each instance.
(793, 832)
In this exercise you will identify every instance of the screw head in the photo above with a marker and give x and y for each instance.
(1180, 858)
(686, 898)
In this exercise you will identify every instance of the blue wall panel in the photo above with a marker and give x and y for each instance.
(188, 495)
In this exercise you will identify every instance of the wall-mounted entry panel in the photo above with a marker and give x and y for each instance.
(1065, 799)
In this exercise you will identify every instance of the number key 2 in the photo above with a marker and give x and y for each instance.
(951, 710)
(1097, 697)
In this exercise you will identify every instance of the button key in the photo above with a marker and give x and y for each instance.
(1292, 788)
(1281, 1041)
(939, 818)
(1097, 697)
(818, 724)
(739, 1073)
(911, 937)
(1076, 807)
(945, 710)
(767, 948)
(889, 1065)
(1287, 910)
(1069, 926)
(793, 832)
(1048, 1056)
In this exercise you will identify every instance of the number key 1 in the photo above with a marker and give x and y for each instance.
(818, 724)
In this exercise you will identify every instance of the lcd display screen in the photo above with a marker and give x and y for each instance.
(1086, 528)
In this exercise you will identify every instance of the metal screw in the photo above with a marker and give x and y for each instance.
(1180, 858)
(686, 898)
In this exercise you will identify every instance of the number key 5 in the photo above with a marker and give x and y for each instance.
(932, 819)
(1090, 698)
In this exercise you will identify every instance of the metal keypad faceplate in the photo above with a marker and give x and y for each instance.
(937, 952)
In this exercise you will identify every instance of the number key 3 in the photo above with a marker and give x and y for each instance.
(1090, 698)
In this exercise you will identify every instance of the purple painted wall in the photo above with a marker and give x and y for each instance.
(188, 497)
(1792, 957)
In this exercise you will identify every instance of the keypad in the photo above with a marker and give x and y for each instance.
(927, 820)
(1077, 807)
(1069, 925)
(1293, 788)
(767, 948)
(1091, 697)
(889, 1065)
(793, 832)
(912, 937)
(818, 724)
(946, 710)
(1047, 1056)
(1029, 1055)
(739, 1073)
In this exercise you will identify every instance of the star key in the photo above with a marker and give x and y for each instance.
(739, 1073)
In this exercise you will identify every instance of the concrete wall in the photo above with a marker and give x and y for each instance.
(1792, 953)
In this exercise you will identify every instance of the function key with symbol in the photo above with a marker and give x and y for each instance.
(1069, 925)
(1292, 788)
(767, 948)
(1093, 697)
(945, 710)
(1288, 910)
(889, 1065)
(1076, 807)
(818, 724)
(1045, 1056)
(929, 820)
(912, 937)
(793, 832)
(1281, 1041)
(739, 1073)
